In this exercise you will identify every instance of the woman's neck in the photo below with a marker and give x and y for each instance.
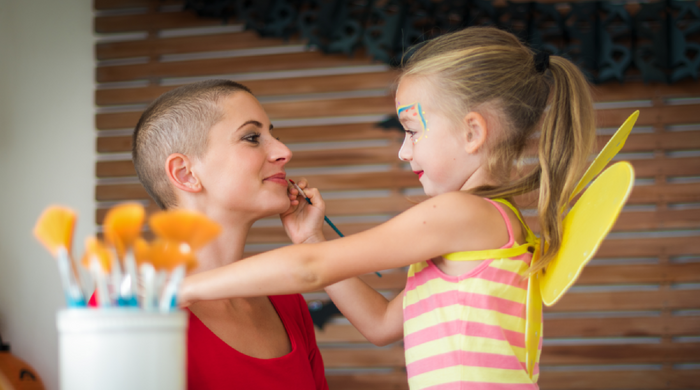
(229, 245)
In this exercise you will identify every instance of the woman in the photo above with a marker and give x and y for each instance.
(214, 140)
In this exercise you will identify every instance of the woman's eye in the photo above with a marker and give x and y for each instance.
(253, 138)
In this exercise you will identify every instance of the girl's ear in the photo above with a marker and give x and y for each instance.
(179, 170)
(476, 131)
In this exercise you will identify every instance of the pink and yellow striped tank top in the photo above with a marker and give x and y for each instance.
(468, 331)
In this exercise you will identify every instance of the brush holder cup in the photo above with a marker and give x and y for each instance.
(121, 348)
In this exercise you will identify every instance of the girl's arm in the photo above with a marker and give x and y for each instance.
(447, 223)
(379, 320)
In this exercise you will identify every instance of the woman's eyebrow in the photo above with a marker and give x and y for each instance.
(251, 122)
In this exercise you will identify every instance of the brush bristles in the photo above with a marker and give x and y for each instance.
(190, 227)
(122, 226)
(54, 228)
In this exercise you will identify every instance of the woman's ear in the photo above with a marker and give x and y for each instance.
(476, 131)
(180, 174)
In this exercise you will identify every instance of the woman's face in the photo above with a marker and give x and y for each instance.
(242, 170)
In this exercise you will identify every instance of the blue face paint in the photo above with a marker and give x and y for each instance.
(415, 109)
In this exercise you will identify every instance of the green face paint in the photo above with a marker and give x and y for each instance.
(415, 109)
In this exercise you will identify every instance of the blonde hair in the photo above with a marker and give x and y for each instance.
(481, 66)
(177, 122)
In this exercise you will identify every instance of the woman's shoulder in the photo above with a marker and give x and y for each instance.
(293, 305)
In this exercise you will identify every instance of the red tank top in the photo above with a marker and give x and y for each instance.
(213, 364)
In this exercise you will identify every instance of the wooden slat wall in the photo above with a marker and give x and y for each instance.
(632, 320)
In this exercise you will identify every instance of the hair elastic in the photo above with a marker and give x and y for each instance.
(541, 62)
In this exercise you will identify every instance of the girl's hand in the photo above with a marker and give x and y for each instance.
(303, 222)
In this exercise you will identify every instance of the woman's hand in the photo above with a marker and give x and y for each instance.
(303, 222)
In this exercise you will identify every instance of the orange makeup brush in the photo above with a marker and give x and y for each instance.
(190, 227)
(172, 259)
(98, 259)
(54, 230)
(122, 226)
(182, 232)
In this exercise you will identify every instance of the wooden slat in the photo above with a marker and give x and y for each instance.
(608, 379)
(686, 166)
(622, 327)
(643, 91)
(286, 110)
(104, 5)
(385, 381)
(560, 380)
(151, 21)
(372, 180)
(299, 85)
(288, 135)
(635, 143)
(627, 300)
(561, 328)
(187, 44)
(551, 355)
(266, 63)
(649, 115)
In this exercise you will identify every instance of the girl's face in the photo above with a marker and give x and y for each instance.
(243, 167)
(433, 145)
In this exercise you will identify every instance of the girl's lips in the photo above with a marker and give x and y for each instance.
(419, 173)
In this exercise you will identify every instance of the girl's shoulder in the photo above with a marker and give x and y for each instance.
(462, 205)
(472, 222)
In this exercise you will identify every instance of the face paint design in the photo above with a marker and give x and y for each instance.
(414, 109)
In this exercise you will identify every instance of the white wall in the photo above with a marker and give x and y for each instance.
(46, 156)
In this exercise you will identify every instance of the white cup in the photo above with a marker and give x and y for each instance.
(121, 348)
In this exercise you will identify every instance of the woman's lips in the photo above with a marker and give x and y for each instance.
(419, 173)
(279, 178)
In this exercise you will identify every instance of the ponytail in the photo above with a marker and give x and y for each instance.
(566, 140)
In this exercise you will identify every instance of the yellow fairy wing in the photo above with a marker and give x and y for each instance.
(533, 323)
(585, 227)
(609, 151)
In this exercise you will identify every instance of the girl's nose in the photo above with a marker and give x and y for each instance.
(406, 151)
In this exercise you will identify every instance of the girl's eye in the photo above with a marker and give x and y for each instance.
(410, 133)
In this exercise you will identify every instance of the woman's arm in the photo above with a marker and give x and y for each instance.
(447, 223)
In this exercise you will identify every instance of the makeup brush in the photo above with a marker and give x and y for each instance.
(187, 226)
(325, 218)
(98, 259)
(122, 226)
(181, 233)
(54, 229)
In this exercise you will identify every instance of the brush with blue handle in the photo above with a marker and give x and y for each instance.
(328, 221)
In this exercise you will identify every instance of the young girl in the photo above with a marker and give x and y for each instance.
(470, 102)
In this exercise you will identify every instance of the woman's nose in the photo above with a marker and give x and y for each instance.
(280, 152)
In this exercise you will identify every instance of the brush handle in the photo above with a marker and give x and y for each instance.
(74, 296)
(148, 277)
(325, 218)
(128, 287)
(99, 275)
(167, 299)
